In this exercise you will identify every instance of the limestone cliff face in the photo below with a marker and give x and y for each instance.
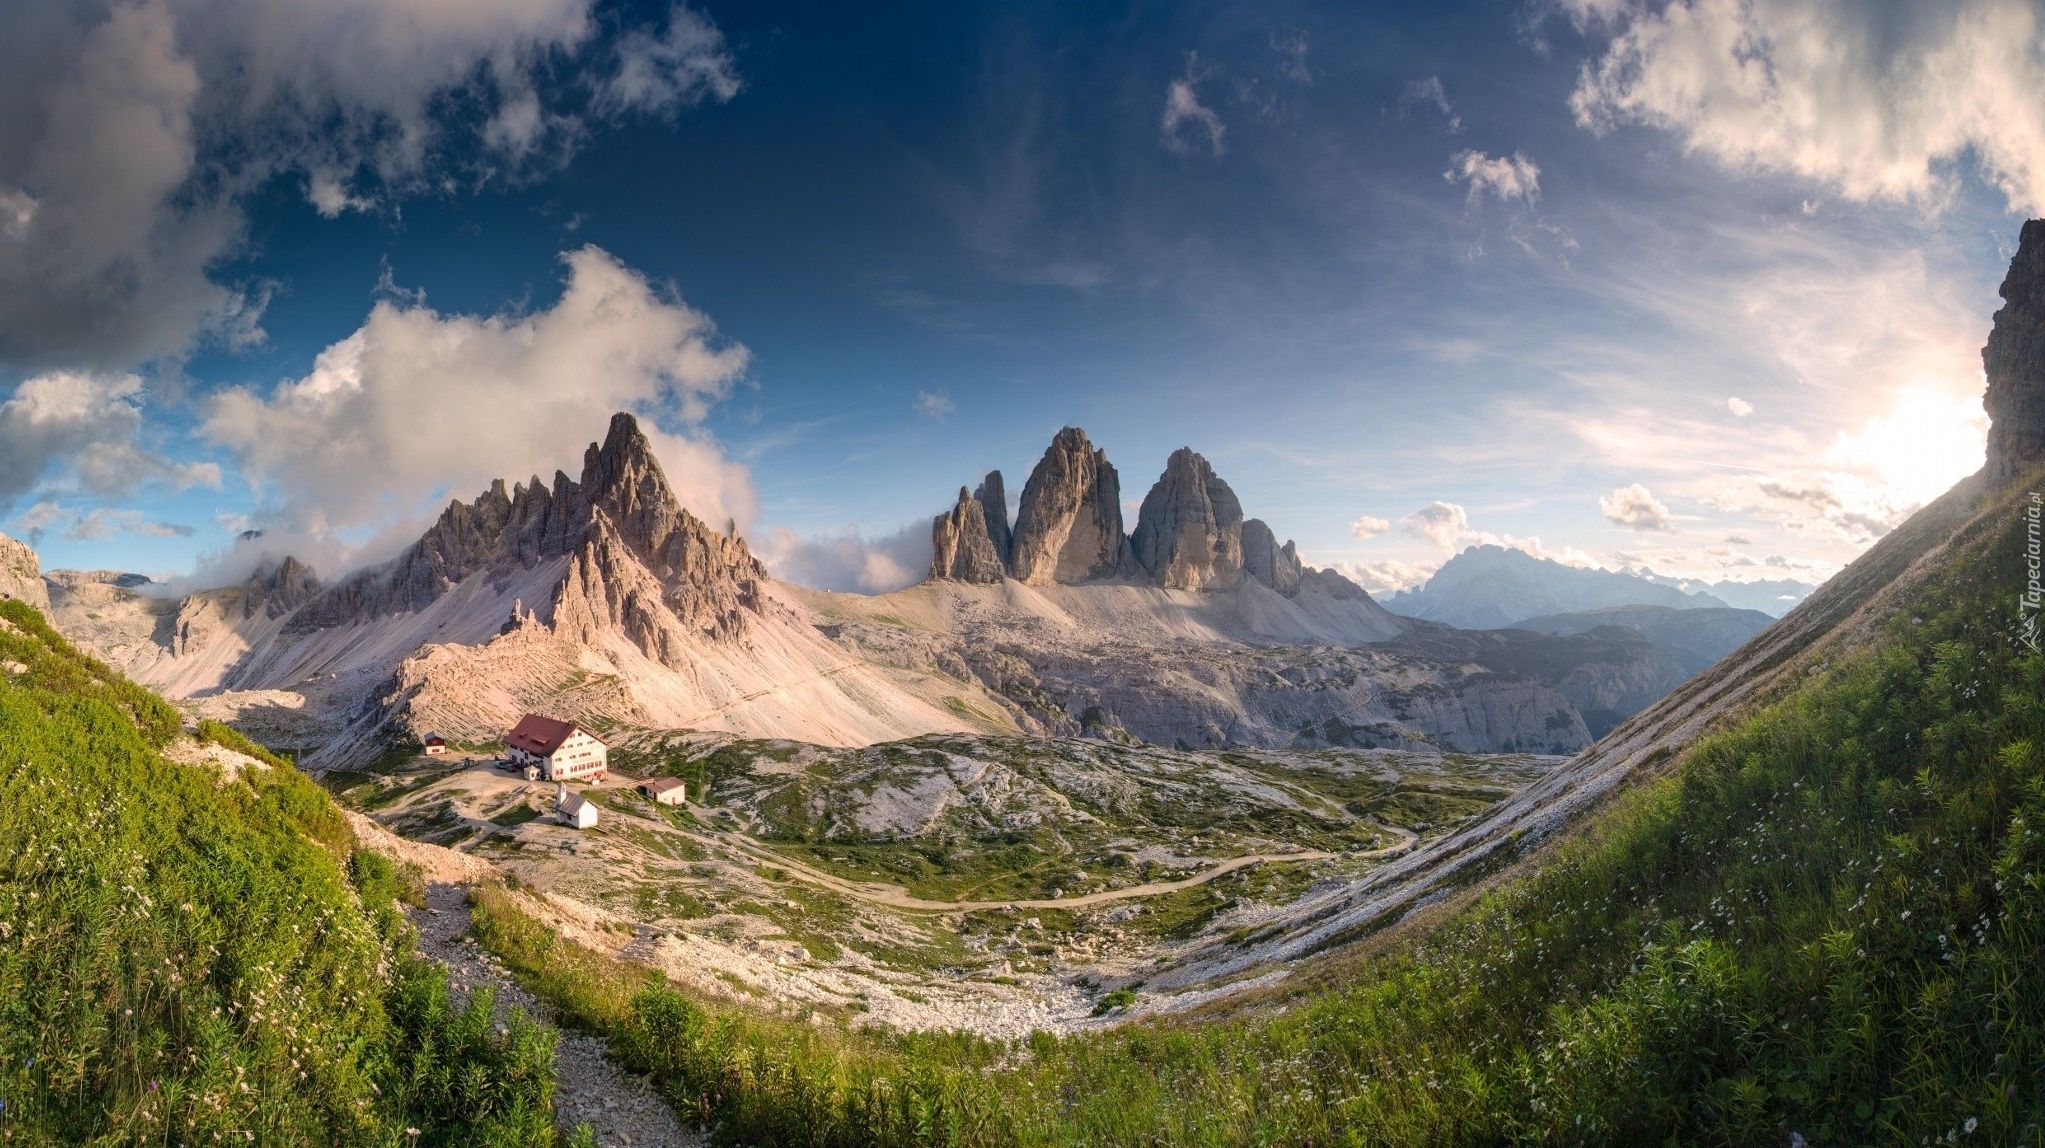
(21, 574)
(2014, 360)
(960, 548)
(638, 562)
(1069, 526)
(993, 500)
(1265, 560)
(1189, 533)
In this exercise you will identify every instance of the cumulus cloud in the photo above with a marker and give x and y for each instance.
(1366, 527)
(935, 405)
(1636, 509)
(1875, 100)
(90, 423)
(1447, 525)
(1189, 126)
(849, 561)
(1740, 407)
(1444, 524)
(417, 405)
(131, 131)
(1507, 177)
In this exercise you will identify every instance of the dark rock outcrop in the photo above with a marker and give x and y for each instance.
(1265, 560)
(638, 561)
(960, 549)
(1069, 526)
(1189, 533)
(993, 500)
(277, 588)
(2014, 361)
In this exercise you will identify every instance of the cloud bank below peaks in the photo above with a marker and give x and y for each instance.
(417, 406)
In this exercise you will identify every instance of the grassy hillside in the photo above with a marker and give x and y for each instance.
(1825, 924)
(188, 958)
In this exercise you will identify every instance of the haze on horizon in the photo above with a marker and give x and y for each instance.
(1698, 285)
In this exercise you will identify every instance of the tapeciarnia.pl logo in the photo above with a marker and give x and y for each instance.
(2029, 602)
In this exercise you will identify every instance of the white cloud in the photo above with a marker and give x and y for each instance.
(416, 405)
(1875, 100)
(1366, 527)
(90, 422)
(1507, 177)
(849, 561)
(1292, 47)
(1430, 92)
(1740, 407)
(1386, 576)
(34, 522)
(131, 131)
(679, 68)
(105, 522)
(1447, 526)
(935, 405)
(1635, 508)
(1189, 126)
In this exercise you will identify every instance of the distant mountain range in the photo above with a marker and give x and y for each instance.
(1487, 587)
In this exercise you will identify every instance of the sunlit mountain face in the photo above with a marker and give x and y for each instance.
(1695, 288)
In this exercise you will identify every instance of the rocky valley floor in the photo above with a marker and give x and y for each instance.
(994, 885)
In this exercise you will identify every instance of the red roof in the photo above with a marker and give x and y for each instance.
(539, 735)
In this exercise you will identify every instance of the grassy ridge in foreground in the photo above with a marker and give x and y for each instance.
(185, 958)
(1827, 924)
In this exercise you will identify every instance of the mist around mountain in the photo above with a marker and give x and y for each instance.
(1771, 596)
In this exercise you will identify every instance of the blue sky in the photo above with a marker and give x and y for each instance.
(1698, 285)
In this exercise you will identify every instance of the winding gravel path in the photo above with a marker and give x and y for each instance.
(882, 893)
(621, 1108)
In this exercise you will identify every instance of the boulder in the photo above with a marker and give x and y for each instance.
(1189, 532)
(1069, 526)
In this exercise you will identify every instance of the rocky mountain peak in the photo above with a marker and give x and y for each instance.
(639, 563)
(2014, 361)
(1069, 525)
(1189, 532)
(277, 588)
(960, 545)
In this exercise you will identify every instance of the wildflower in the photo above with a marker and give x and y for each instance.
(1970, 1126)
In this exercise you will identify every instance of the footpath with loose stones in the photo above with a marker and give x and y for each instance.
(622, 1109)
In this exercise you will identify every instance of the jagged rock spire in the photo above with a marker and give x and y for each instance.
(993, 500)
(1069, 525)
(960, 549)
(2014, 360)
(21, 574)
(1189, 533)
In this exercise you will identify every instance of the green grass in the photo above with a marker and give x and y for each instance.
(186, 958)
(1825, 922)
